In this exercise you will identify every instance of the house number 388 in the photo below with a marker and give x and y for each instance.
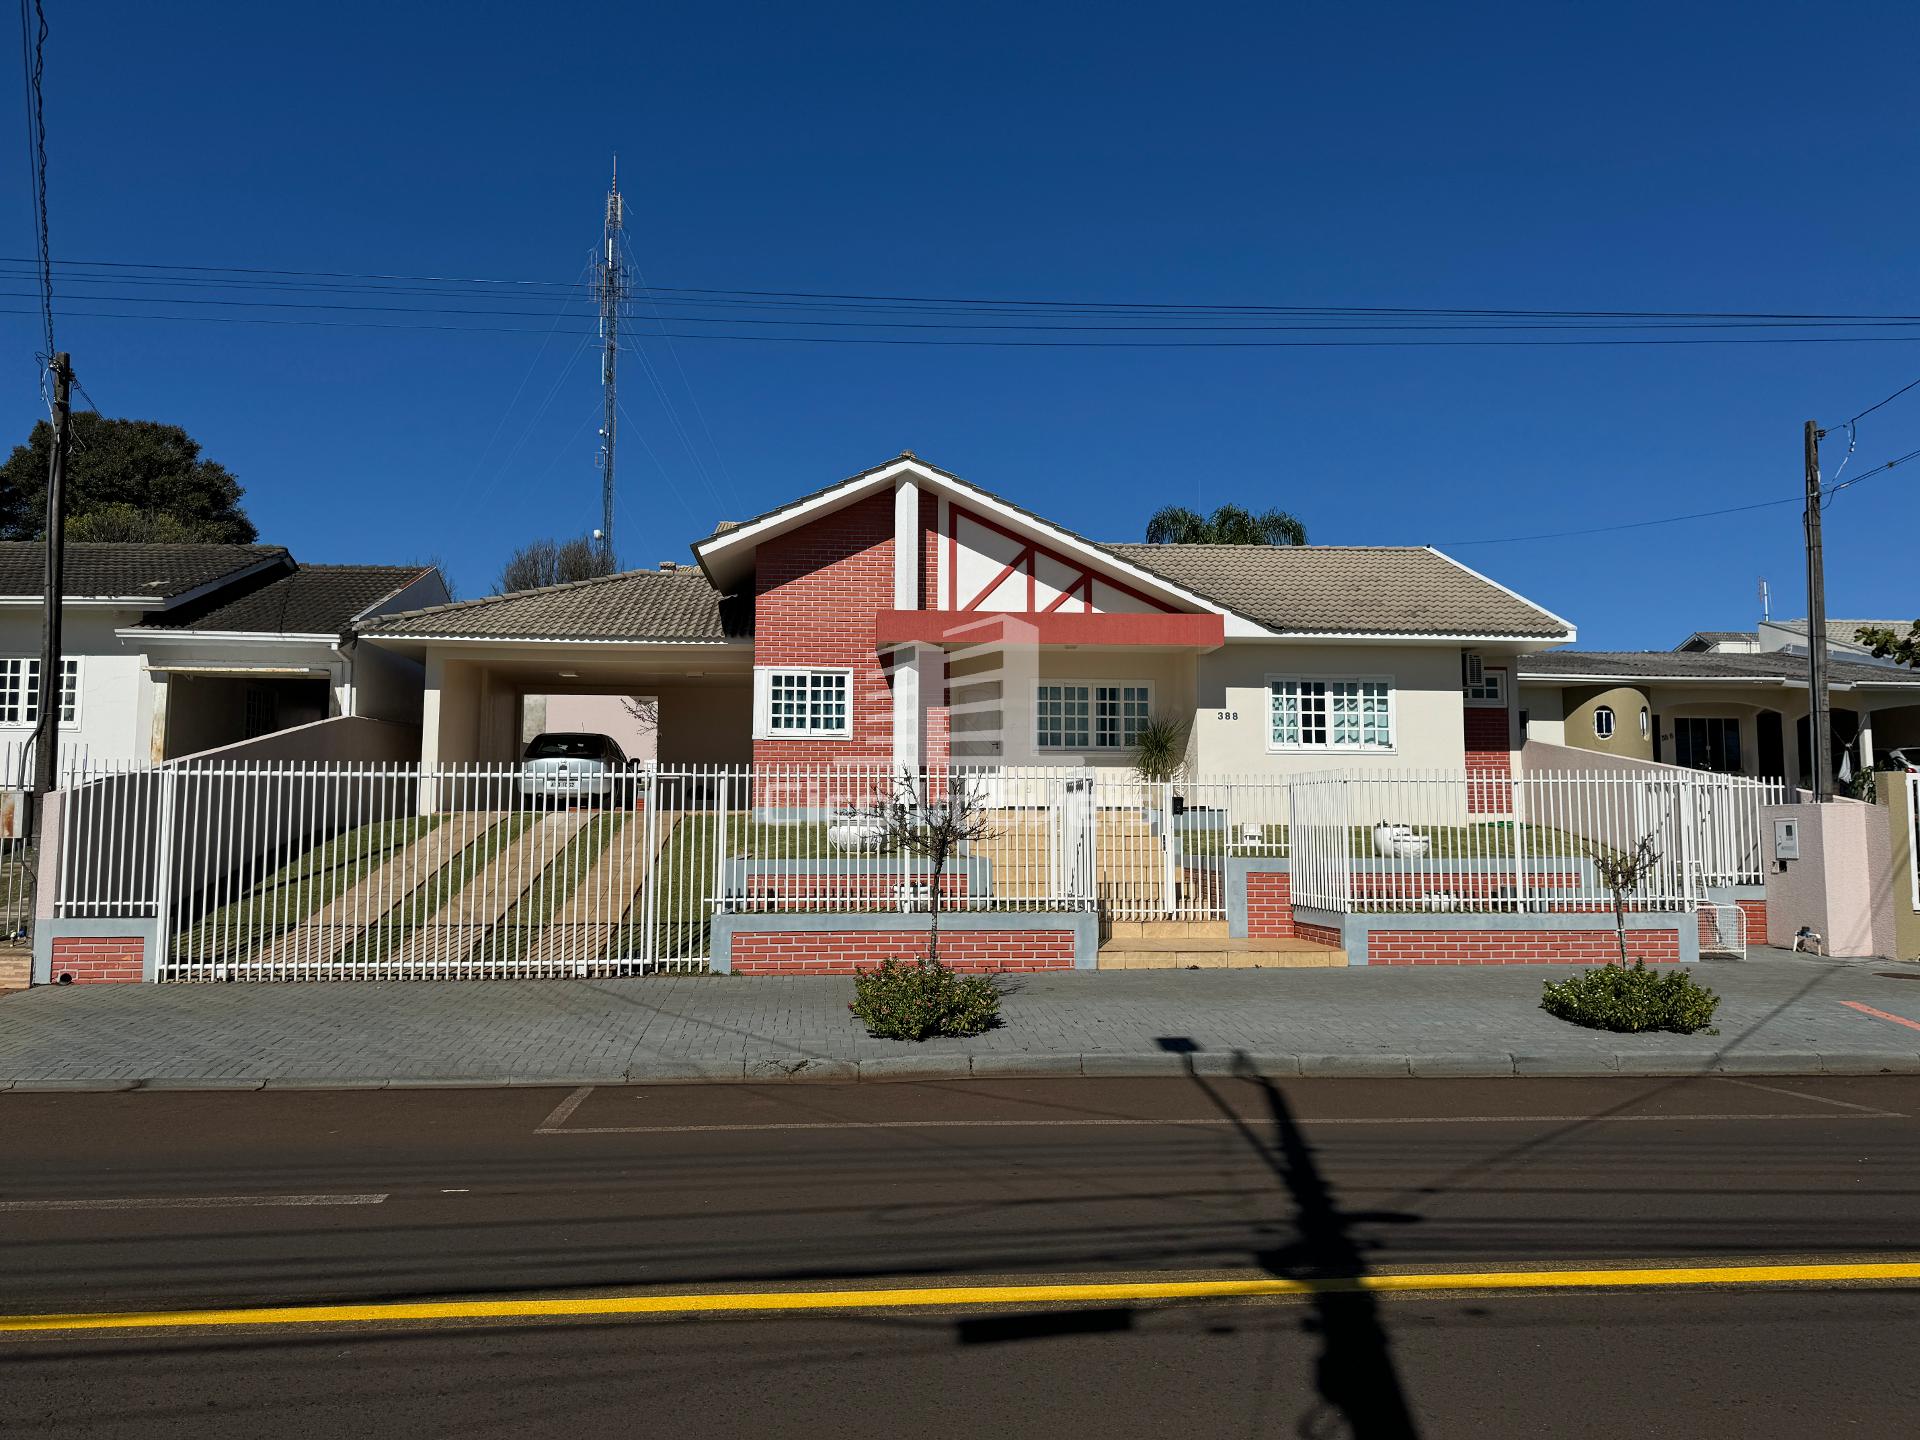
(1226, 714)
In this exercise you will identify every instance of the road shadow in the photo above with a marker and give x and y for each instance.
(1357, 1381)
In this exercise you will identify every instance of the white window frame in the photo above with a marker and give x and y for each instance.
(27, 704)
(1329, 746)
(764, 677)
(1613, 722)
(1490, 693)
(1093, 687)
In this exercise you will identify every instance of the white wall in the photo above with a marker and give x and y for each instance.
(116, 694)
(1231, 724)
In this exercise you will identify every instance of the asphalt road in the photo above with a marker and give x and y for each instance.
(136, 1202)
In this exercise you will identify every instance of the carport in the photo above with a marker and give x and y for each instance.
(660, 633)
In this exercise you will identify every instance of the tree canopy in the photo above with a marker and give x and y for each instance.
(1228, 525)
(540, 563)
(127, 480)
(1890, 643)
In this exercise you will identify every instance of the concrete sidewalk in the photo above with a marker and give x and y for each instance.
(1779, 1015)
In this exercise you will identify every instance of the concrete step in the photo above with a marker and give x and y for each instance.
(1203, 953)
(1168, 929)
(15, 968)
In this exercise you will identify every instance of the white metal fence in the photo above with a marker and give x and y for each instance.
(275, 870)
(1445, 841)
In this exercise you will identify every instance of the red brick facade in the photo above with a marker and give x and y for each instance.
(1270, 905)
(1517, 947)
(99, 960)
(817, 591)
(841, 952)
(1756, 914)
(1489, 760)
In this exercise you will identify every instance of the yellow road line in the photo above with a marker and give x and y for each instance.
(1070, 1293)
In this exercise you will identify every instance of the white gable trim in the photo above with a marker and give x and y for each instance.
(715, 551)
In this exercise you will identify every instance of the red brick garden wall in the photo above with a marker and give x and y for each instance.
(1320, 934)
(841, 952)
(98, 960)
(1517, 947)
(1270, 905)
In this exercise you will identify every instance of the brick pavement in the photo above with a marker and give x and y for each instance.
(1779, 1014)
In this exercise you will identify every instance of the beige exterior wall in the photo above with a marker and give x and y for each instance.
(1626, 701)
(1546, 714)
(1842, 884)
(705, 724)
(1231, 727)
(992, 699)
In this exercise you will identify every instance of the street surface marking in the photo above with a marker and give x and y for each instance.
(764, 1127)
(1881, 1014)
(194, 1202)
(1816, 1099)
(950, 1296)
(566, 1107)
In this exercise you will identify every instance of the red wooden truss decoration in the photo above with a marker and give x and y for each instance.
(1073, 580)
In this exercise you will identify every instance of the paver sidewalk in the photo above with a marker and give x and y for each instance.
(1778, 1015)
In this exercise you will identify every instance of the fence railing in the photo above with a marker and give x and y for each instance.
(306, 871)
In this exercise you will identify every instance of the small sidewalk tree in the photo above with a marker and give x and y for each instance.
(932, 817)
(1623, 872)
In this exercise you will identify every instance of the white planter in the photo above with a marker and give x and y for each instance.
(855, 834)
(1400, 842)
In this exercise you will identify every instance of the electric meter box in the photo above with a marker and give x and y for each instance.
(1786, 839)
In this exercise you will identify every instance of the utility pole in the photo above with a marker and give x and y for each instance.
(1819, 716)
(610, 289)
(46, 730)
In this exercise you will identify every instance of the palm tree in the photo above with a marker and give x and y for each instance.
(1229, 525)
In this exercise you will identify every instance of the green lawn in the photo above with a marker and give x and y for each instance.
(565, 873)
(301, 888)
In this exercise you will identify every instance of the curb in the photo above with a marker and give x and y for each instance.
(894, 1069)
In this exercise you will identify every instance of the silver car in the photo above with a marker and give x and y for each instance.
(567, 766)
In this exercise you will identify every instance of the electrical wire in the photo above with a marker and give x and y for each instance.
(1827, 493)
(1912, 384)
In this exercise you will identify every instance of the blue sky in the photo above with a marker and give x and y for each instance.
(1703, 157)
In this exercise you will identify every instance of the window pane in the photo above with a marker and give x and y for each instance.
(1313, 712)
(1286, 712)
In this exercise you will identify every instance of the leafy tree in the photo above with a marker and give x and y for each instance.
(126, 480)
(1886, 642)
(541, 563)
(1228, 525)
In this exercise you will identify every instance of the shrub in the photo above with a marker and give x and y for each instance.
(1632, 999)
(918, 999)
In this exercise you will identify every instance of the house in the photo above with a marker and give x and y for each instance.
(1730, 701)
(175, 649)
(905, 616)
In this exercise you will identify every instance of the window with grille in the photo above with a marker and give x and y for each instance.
(1330, 714)
(1091, 716)
(20, 691)
(809, 704)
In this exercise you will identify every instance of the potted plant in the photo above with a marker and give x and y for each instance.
(1159, 755)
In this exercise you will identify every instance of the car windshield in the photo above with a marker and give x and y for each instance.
(567, 747)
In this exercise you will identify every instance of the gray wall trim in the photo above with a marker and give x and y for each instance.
(1727, 894)
(1085, 925)
(147, 928)
(977, 869)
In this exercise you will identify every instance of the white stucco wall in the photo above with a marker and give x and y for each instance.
(1231, 726)
(116, 694)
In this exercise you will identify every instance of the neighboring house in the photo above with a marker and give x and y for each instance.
(1722, 701)
(175, 649)
(905, 616)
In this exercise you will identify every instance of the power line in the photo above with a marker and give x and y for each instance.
(1829, 493)
(784, 296)
(1002, 343)
(33, 61)
(1912, 384)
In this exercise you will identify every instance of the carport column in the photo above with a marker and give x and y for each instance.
(1866, 738)
(157, 736)
(430, 732)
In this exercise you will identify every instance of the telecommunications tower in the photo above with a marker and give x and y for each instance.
(610, 290)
